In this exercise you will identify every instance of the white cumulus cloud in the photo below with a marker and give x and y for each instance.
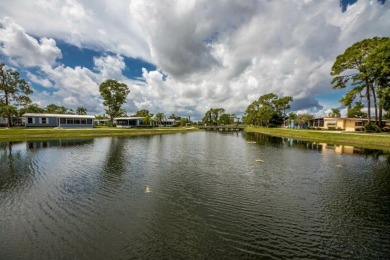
(207, 53)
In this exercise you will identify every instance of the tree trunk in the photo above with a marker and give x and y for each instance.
(368, 102)
(375, 105)
(9, 119)
(380, 115)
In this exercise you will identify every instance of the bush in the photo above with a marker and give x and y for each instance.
(372, 128)
(331, 128)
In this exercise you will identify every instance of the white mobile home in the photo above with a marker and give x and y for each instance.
(58, 120)
(129, 122)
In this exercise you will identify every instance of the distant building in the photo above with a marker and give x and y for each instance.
(58, 120)
(338, 123)
(129, 122)
(3, 121)
(16, 121)
(101, 121)
(165, 122)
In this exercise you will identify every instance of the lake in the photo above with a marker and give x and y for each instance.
(201, 195)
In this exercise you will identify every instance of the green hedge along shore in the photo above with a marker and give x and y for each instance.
(21, 134)
(357, 139)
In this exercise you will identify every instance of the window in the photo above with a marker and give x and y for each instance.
(30, 120)
(76, 121)
(122, 122)
(89, 121)
(359, 123)
(69, 121)
(44, 120)
(83, 121)
(62, 120)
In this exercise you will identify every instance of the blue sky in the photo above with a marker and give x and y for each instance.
(185, 56)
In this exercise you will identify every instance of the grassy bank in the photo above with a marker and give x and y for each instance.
(364, 140)
(20, 134)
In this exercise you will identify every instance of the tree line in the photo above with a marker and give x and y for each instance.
(364, 68)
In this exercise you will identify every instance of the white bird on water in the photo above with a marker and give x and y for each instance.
(147, 189)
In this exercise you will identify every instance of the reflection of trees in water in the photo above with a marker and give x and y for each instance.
(14, 170)
(33, 145)
(262, 139)
(375, 155)
(356, 203)
(113, 168)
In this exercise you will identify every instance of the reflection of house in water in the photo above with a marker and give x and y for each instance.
(325, 148)
(338, 149)
(57, 143)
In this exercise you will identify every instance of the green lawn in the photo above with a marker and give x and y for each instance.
(360, 139)
(21, 133)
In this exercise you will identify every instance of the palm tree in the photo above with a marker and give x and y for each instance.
(81, 111)
(160, 117)
(335, 112)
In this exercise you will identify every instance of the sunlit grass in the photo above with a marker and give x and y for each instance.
(18, 133)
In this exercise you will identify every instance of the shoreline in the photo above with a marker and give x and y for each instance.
(379, 141)
(25, 134)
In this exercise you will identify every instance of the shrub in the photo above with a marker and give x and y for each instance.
(372, 128)
(331, 128)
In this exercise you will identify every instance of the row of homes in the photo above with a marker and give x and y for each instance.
(82, 121)
(87, 121)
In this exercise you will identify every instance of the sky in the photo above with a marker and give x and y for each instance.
(184, 57)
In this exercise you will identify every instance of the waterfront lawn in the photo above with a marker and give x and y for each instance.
(22, 133)
(359, 139)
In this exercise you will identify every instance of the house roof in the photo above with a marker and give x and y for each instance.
(128, 118)
(335, 118)
(58, 115)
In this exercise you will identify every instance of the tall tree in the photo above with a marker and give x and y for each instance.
(54, 109)
(160, 117)
(173, 116)
(303, 119)
(265, 114)
(114, 95)
(226, 119)
(81, 111)
(30, 108)
(353, 68)
(356, 111)
(292, 117)
(147, 120)
(212, 115)
(335, 112)
(143, 113)
(268, 110)
(14, 91)
(379, 63)
(282, 104)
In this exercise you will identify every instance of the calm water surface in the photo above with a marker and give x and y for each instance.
(192, 196)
